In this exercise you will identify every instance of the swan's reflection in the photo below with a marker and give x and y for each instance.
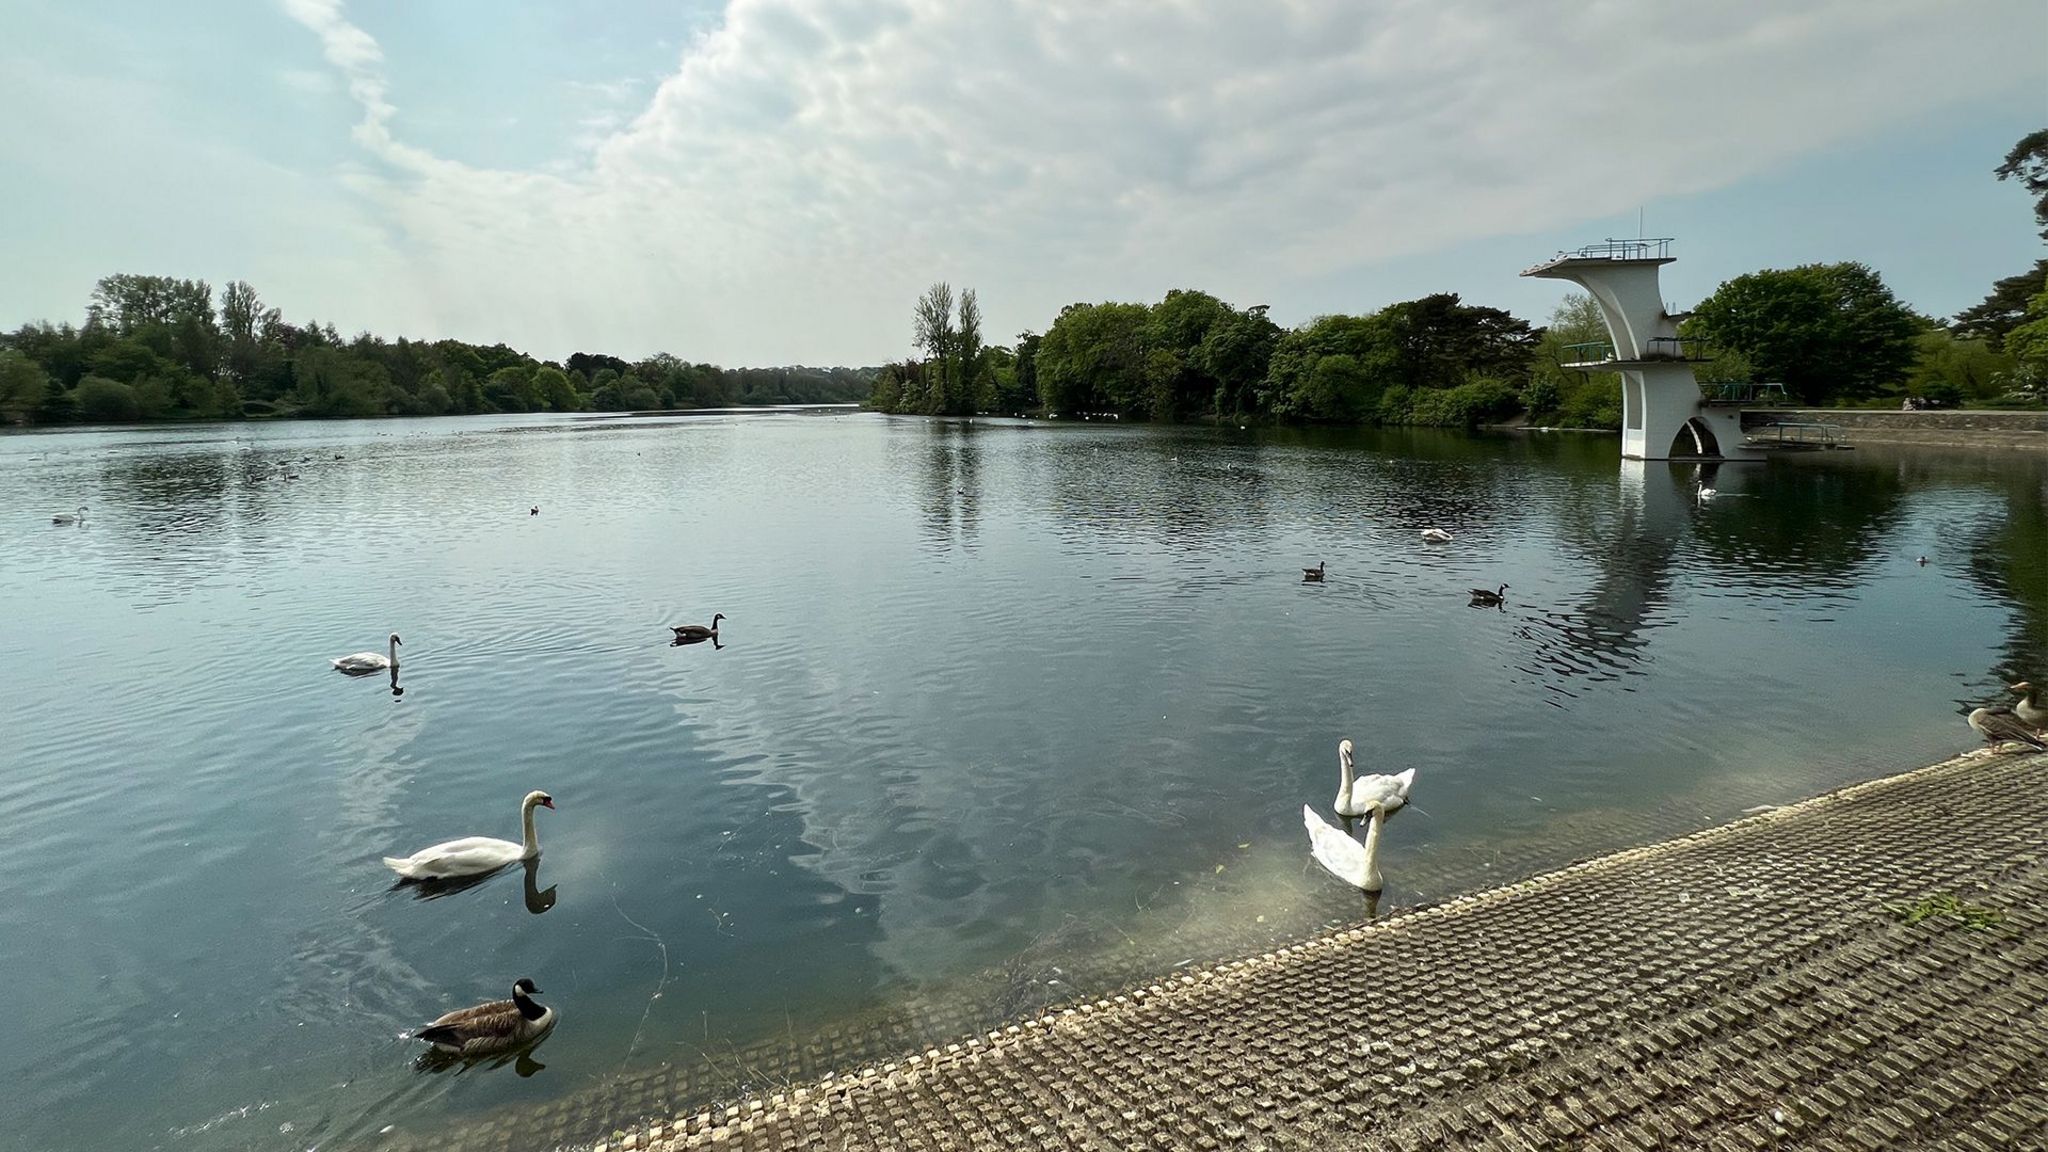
(538, 900)
(395, 689)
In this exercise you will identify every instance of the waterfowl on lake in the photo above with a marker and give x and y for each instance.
(473, 855)
(364, 663)
(692, 633)
(1485, 599)
(1342, 856)
(1360, 795)
(77, 517)
(1923, 561)
(533, 511)
(1707, 494)
(492, 1028)
(2029, 709)
(1313, 574)
(1436, 536)
(1998, 725)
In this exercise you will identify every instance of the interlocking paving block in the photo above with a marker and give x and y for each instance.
(1743, 987)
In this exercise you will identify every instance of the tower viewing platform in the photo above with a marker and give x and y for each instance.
(1664, 414)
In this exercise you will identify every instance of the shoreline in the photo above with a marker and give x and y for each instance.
(1739, 978)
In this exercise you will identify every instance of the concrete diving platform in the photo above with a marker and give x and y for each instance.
(1865, 970)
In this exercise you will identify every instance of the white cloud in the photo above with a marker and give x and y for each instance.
(811, 164)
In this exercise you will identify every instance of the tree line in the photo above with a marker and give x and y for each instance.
(1829, 333)
(158, 347)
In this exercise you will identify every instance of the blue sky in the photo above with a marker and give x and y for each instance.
(774, 181)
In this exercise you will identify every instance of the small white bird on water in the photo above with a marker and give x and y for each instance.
(77, 517)
(474, 855)
(1436, 536)
(364, 663)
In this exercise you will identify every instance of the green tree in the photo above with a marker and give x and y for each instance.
(1828, 331)
(1236, 352)
(104, 401)
(2028, 164)
(936, 337)
(22, 382)
(2004, 309)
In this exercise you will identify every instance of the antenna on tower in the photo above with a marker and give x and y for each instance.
(1639, 222)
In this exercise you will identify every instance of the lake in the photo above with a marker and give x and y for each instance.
(1005, 713)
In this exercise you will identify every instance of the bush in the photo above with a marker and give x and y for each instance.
(1596, 403)
(1469, 405)
(105, 401)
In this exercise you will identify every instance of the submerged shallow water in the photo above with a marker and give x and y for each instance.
(1005, 712)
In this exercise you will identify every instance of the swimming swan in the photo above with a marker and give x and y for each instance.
(488, 1029)
(77, 517)
(473, 855)
(1360, 795)
(1347, 860)
(364, 663)
(1436, 536)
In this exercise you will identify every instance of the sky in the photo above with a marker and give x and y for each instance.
(775, 181)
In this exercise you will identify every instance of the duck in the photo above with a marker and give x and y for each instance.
(1481, 598)
(1922, 561)
(77, 517)
(533, 511)
(1999, 724)
(364, 663)
(1361, 795)
(1313, 575)
(2029, 708)
(692, 633)
(494, 1027)
(1436, 536)
(474, 855)
(1343, 857)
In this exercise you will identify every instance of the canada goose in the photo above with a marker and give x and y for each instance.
(494, 1027)
(2000, 725)
(77, 517)
(1481, 598)
(1436, 536)
(2029, 708)
(693, 633)
(1314, 574)
(473, 855)
(1359, 795)
(364, 663)
(533, 511)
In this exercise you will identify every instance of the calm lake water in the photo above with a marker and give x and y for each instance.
(1005, 713)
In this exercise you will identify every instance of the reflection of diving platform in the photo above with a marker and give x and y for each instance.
(1664, 414)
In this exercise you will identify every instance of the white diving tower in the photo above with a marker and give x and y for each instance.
(1664, 415)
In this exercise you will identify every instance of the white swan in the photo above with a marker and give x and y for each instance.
(473, 855)
(1707, 494)
(363, 663)
(1436, 536)
(1361, 795)
(1355, 864)
(77, 517)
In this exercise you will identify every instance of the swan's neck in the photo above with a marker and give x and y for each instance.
(1373, 882)
(393, 648)
(1346, 775)
(530, 842)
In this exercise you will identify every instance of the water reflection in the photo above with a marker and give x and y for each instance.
(537, 900)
